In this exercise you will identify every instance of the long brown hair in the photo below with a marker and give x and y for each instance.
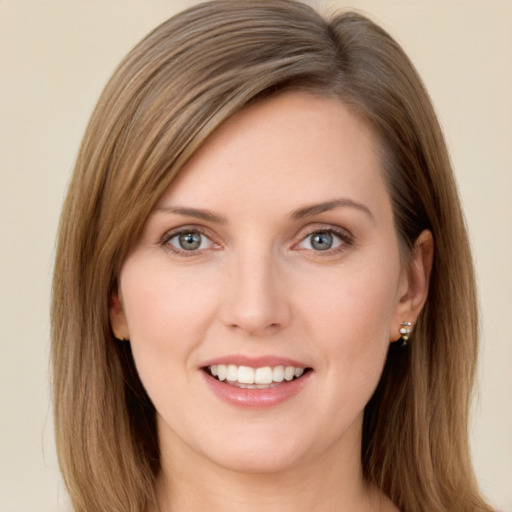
(174, 89)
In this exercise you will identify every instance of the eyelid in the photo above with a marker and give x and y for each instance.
(172, 233)
(342, 234)
(347, 239)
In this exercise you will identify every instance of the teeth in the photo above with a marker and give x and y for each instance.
(246, 376)
(289, 373)
(222, 371)
(278, 374)
(263, 375)
(232, 373)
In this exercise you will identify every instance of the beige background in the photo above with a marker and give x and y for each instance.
(55, 57)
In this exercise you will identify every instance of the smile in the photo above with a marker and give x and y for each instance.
(257, 382)
(254, 378)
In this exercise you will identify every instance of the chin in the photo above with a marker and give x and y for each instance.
(264, 460)
(257, 450)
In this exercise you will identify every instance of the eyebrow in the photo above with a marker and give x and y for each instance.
(315, 209)
(301, 213)
(193, 212)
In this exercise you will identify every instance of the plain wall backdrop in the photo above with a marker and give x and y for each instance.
(55, 58)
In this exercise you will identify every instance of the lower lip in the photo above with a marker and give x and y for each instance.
(257, 398)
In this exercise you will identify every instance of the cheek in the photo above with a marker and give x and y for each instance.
(350, 320)
(157, 300)
(167, 314)
(355, 305)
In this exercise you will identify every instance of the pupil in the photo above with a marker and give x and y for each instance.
(322, 241)
(190, 241)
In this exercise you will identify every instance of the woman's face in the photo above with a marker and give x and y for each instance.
(273, 255)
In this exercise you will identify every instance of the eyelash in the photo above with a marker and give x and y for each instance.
(167, 237)
(344, 237)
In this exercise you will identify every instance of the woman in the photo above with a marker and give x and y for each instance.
(263, 295)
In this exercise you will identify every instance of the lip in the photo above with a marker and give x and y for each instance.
(254, 362)
(251, 397)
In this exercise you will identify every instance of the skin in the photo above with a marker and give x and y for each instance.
(257, 286)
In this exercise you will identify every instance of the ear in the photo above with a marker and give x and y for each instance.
(118, 322)
(414, 288)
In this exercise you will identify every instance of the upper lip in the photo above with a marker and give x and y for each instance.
(254, 361)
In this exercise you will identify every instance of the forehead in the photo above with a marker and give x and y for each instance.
(293, 148)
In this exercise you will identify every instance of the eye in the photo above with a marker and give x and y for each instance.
(189, 240)
(323, 240)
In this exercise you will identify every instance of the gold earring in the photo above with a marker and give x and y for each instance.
(405, 330)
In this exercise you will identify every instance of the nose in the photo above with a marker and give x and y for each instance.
(256, 301)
